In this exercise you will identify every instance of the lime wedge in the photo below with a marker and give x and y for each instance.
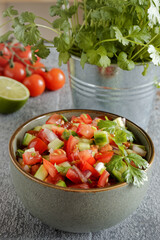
(13, 95)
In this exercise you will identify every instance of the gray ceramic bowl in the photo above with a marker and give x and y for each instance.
(77, 210)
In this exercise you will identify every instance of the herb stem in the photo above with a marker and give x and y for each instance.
(144, 46)
(52, 29)
(84, 21)
(5, 23)
(44, 20)
(106, 40)
(85, 13)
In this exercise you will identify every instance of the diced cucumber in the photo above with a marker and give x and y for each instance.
(19, 153)
(55, 144)
(37, 128)
(120, 122)
(85, 140)
(119, 172)
(63, 167)
(30, 150)
(83, 146)
(101, 138)
(65, 164)
(61, 183)
(41, 173)
(27, 138)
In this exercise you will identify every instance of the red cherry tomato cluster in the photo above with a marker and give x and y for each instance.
(16, 62)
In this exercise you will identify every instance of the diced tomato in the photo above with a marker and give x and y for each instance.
(85, 130)
(94, 148)
(54, 180)
(71, 146)
(73, 176)
(55, 119)
(104, 157)
(33, 132)
(74, 128)
(50, 168)
(105, 148)
(42, 136)
(31, 158)
(82, 185)
(103, 179)
(75, 119)
(67, 125)
(86, 118)
(34, 168)
(58, 156)
(38, 145)
(86, 166)
(95, 121)
(58, 130)
(87, 156)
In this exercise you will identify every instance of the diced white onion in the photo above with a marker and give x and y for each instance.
(87, 173)
(139, 151)
(99, 167)
(50, 136)
(80, 174)
(26, 168)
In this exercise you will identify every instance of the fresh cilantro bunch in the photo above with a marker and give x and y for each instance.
(112, 31)
(132, 164)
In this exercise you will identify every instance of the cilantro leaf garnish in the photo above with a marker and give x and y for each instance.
(138, 160)
(135, 176)
(107, 125)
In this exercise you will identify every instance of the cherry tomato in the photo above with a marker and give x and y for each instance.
(54, 79)
(17, 72)
(5, 55)
(25, 55)
(37, 68)
(35, 83)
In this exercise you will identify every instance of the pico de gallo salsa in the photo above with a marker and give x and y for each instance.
(83, 152)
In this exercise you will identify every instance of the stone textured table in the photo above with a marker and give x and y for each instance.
(17, 223)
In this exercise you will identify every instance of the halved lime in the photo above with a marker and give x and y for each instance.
(13, 95)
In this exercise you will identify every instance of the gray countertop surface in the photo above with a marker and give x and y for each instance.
(17, 223)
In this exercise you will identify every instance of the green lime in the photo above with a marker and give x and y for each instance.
(13, 95)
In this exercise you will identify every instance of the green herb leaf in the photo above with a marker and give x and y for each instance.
(120, 37)
(115, 162)
(135, 176)
(138, 160)
(120, 136)
(42, 52)
(26, 17)
(104, 59)
(63, 57)
(5, 36)
(85, 40)
(107, 125)
(83, 59)
(9, 12)
(124, 63)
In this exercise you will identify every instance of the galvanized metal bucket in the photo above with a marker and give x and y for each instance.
(126, 93)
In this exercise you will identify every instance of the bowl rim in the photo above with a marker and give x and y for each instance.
(91, 190)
